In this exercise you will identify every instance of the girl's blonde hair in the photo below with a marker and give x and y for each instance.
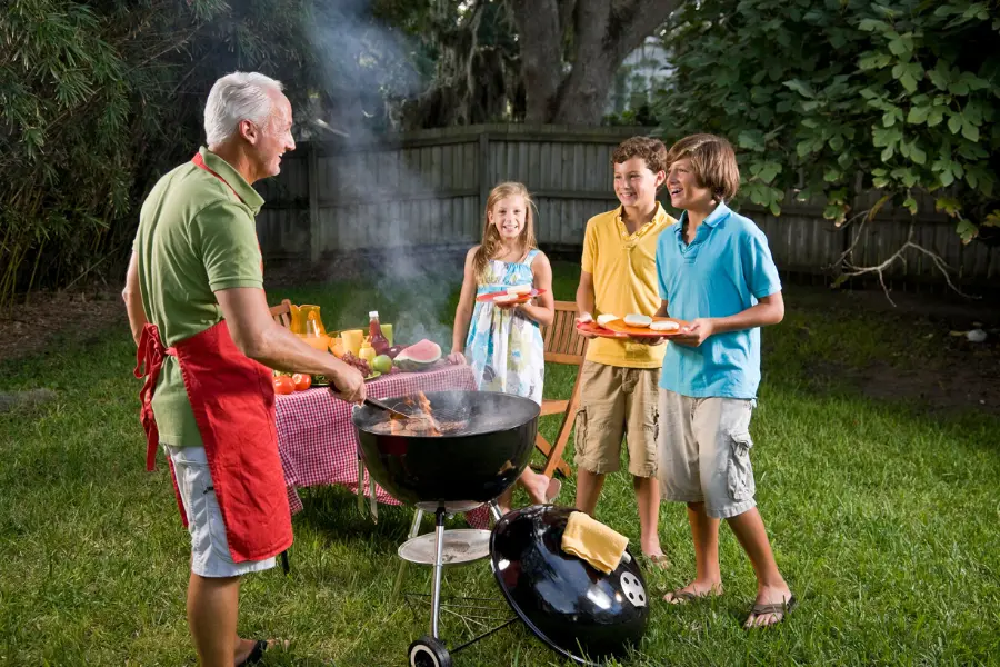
(491, 235)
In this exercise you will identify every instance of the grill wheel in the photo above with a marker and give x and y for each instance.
(429, 652)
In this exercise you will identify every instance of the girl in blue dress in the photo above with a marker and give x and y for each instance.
(503, 342)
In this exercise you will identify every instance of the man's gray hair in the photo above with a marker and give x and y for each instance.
(235, 97)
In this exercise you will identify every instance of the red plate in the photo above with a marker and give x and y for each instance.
(524, 298)
(597, 330)
(619, 326)
(618, 329)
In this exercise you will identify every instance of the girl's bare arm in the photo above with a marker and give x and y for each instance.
(466, 303)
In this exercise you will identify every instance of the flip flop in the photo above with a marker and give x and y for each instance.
(657, 561)
(680, 597)
(783, 609)
(256, 653)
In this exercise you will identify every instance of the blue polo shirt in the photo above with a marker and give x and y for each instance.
(724, 271)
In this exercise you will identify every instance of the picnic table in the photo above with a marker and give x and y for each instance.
(318, 443)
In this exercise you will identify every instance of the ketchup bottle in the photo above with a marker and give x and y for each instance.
(378, 341)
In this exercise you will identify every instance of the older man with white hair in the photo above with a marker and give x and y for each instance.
(207, 344)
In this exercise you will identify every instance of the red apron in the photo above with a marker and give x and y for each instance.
(232, 397)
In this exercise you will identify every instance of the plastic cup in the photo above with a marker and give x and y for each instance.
(352, 340)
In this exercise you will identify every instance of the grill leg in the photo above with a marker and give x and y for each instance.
(436, 591)
(494, 511)
(418, 515)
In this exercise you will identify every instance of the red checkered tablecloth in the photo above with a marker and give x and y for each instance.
(319, 446)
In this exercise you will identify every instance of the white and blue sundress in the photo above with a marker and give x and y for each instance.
(504, 347)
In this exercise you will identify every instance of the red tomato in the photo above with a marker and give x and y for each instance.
(283, 385)
(302, 382)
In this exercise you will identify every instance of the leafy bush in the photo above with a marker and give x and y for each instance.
(100, 98)
(814, 92)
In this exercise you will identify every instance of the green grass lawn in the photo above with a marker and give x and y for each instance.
(884, 519)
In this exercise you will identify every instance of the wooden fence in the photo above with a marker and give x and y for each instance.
(429, 188)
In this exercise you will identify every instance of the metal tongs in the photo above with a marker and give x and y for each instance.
(375, 403)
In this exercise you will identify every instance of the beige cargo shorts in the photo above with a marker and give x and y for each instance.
(617, 403)
(705, 453)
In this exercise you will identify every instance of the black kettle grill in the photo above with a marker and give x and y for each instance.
(578, 611)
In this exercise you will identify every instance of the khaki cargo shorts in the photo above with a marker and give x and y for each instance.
(705, 453)
(617, 402)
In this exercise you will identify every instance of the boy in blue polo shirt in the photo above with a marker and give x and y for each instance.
(715, 270)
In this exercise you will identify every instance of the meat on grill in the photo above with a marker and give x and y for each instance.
(422, 423)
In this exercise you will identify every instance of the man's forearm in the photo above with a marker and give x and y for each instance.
(763, 314)
(132, 296)
(136, 315)
(136, 318)
(279, 348)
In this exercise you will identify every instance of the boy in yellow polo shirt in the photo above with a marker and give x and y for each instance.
(620, 378)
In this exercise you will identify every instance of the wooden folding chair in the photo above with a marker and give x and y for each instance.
(282, 314)
(563, 345)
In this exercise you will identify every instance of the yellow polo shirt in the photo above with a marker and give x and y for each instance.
(623, 267)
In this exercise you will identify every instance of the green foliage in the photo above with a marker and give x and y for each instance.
(99, 99)
(814, 92)
(466, 58)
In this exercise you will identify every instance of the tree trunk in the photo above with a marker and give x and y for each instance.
(601, 32)
(540, 36)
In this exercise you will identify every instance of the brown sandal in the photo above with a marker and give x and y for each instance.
(780, 609)
(256, 653)
(680, 597)
(658, 561)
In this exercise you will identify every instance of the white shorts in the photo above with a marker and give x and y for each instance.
(210, 555)
(705, 453)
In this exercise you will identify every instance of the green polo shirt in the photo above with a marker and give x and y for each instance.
(195, 237)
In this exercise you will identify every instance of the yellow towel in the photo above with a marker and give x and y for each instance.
(594, 542)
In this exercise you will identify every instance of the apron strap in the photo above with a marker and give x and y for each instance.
(200, 163)
(149, 359)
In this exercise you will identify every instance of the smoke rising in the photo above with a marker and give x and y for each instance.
(365, 63)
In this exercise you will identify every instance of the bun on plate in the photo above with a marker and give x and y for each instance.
(636, 320)
(664, 325)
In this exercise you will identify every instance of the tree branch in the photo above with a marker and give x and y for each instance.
(633, 20)
(605, 32)
(853, 271)
(470, 83)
